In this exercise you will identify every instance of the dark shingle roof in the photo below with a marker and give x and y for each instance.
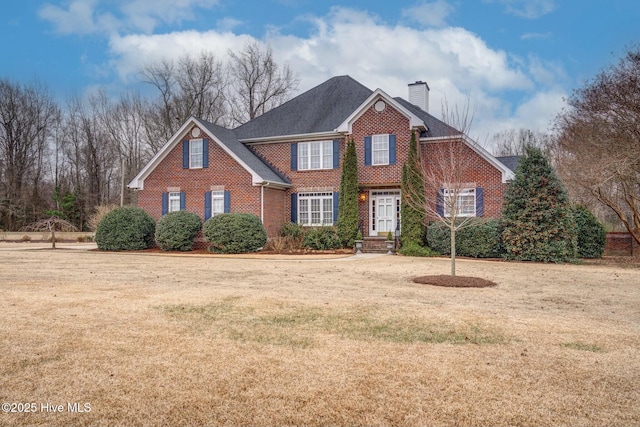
(509, 161)
(321, 109)
(229, 139)
(435, 127)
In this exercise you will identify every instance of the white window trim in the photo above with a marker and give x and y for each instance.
(308, 197)
(174, 196)
(328, 145)
(461, 193)
(379, 137)
(192, 144)
(217, 195)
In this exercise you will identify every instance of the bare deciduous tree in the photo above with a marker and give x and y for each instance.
(27, 117)
(513, 142)
(447, 170)
(599, 140)
(258, 84)
(187, 87)
(91, 154)
(124, 123)
(52, 224)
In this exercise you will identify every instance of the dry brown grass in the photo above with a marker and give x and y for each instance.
(151, 339)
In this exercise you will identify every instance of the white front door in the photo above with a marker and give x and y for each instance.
(385, 215)
(384, 212)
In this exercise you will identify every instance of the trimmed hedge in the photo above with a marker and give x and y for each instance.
(125, 228)
(592, 236)
(175, 231)
(322, 238)
(235, 233)
(481, 239)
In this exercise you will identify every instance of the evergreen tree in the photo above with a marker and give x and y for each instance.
(348, 197)
(592, 236)
(538, 224)
(413, 197)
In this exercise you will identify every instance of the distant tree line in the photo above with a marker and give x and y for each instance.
(67, 159)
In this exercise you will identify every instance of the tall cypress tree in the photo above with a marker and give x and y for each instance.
(348, 198)
(413, 197)
(538, 224)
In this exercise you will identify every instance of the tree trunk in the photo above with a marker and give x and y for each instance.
(453, 251)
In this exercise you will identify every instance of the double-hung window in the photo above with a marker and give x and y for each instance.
(195, 153)
(315, 155)
(463, 203)
(380, 149)
(174, 201)
(315, 209)
(217, 203)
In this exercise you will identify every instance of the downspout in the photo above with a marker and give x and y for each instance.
(262, 203)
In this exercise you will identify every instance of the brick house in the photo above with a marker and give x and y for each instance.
(286, 164)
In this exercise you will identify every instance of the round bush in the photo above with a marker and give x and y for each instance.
(175, 231)
(235, 233)
(591, 233)
(125, 229)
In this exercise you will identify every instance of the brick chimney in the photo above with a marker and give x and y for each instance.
(419, 95)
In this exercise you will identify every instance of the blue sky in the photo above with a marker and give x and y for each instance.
(513, 60)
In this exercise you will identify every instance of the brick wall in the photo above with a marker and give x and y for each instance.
(621, 244)
(372, 122)
(473, 168)
(274, 207)
(223, 170)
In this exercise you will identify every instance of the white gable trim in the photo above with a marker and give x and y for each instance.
(414, 121)
(507, 173)
(138, 182)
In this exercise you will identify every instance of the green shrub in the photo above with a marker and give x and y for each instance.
(235, 233)
(322, 238)
(538, 224)
(591, 233)
(175, 231)
(291, 236)
(480, 239)
(413, 197)
(414, 249)
(291, 229)
(347, 224)
(125, 229)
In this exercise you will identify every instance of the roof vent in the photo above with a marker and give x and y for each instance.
(419, 95)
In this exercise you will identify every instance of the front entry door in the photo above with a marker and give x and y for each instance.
(384, 212)
(385, 215)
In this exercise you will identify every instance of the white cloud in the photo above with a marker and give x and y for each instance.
(539, 111)
(133, 52)
(530, 9)
(432, 14)
(458, 65)
(77, 19)
(87, 16)
(536, 36)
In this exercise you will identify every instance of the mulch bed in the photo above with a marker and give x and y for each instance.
(449, 281)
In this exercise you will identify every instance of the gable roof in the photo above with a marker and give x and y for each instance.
(327, 110)
(318, 110)
(379, 94)
(260, 172)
